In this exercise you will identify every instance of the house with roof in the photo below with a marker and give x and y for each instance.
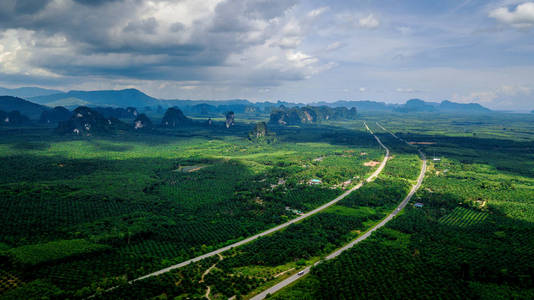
(315, 181)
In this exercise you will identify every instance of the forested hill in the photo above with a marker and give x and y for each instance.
(120, 98)
(30, 109)
(418, 105)
(310, 114)
(27, 92)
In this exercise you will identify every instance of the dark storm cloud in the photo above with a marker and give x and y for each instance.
(135, 40)
(95, 2)
(94, 29)
(268, 9)
(29, 6)
(12, 9)
(146, 26)
(177, 26)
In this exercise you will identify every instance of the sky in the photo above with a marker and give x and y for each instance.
(303, 51)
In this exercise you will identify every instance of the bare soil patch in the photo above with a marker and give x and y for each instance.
(421, 143)
(189, 169)
(371, 163)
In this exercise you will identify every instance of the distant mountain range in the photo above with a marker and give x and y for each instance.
(135, 98)
(418, 105)
(27, 92)
(119, 98)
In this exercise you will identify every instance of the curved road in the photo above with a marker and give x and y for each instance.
(364, 236)
(279, 227)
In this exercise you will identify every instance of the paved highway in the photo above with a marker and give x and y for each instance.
(364, 236)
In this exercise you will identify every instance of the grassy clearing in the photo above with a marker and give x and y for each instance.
(463, 217)
(40, 253)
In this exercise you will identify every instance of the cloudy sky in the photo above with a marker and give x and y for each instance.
(385, 50)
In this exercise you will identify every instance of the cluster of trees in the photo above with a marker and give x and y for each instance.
(32, 255)
(384, 191)
(374, 271)
(312, 237)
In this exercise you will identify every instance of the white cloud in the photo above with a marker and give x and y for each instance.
(481, 97)
(362, 89)
(495, 95)
(405, 90)
(333, 46)
(189, 87)
(405, 30)
(317, 12)
(15, 52)
(521, 17)
(369, 22)
(290, 42)
(300, 59)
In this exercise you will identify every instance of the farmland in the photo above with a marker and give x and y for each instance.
(81, 215)
(270, 259)
(471, 239)
(463, 217)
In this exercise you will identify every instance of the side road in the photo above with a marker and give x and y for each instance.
(364, 236)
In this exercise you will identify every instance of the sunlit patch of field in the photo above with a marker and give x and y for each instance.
(463, 217)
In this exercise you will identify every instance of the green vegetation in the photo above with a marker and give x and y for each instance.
(83, 214)
(253, 267)
(463, 217)
(471, 240)
(32, 255)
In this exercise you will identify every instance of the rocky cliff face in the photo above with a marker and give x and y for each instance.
(174, 118)
(260, 130)
(118, 113)
(85, 121)
(142, 122)
(230, 118)
(260, 134)
(310, 114)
